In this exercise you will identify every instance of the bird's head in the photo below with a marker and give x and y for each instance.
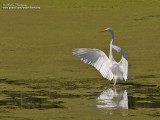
(106, 30)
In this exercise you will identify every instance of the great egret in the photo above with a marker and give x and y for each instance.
(108, 67)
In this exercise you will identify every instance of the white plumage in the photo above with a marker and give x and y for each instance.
(108, 67)
(96, 58)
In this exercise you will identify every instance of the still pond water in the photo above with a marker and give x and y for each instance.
(125, 99)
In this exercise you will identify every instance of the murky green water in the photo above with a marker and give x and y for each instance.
(40, 79)
(134, 97)
(71, 99)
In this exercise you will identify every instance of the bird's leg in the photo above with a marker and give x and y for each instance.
(115, 91)
(115, 81)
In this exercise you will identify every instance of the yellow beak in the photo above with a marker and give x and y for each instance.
(103, 30)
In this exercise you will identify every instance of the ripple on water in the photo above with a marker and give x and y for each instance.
(118, 100)
(30, 100)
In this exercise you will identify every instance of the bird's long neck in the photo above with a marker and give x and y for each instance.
(111, 50)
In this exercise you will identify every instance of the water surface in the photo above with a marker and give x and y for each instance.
(40, 79)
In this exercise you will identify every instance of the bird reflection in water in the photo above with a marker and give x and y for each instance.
(113, 101)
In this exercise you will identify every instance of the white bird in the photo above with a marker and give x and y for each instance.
(108, 67)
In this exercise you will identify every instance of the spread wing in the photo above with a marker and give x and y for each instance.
(96, 58)
(123, 62)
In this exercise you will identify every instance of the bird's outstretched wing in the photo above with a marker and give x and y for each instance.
(123, 62)
(96, 58)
